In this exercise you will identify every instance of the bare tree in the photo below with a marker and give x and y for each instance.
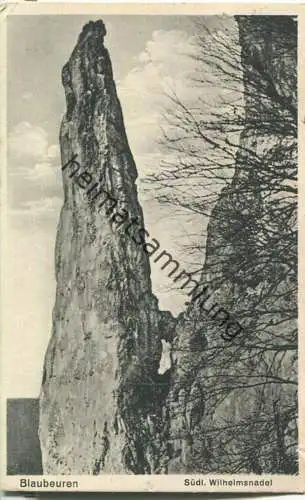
(247, 149)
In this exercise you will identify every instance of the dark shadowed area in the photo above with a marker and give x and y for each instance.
(23, 448)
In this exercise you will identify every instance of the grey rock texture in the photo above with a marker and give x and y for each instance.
(103, 407)
(232, 405)
(23, 447)
(97, 391)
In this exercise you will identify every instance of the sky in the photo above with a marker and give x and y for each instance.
(150, 55)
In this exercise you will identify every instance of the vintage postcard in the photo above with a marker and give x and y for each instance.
(152, 249)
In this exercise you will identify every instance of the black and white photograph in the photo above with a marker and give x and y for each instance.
(150, 250)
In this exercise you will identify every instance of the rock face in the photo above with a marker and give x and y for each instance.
(233, 404)
(98, 382)
(23, 447)
(220, 408)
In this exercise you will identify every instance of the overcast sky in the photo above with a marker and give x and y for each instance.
(149, 55)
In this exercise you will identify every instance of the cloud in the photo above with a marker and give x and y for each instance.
(33, 168)
(34, 176)
(29, 144)
(27, 141)
(168, 66)
(53, 151)
(27, 96)
(163, 66)
(44, 172)
(43, 169)
(165, 61)
(35, 208)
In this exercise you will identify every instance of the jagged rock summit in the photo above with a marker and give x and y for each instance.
(97, 393)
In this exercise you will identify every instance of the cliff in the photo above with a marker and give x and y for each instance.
(234, 405)
(98, 401)
(224, 406)
(23, 447)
